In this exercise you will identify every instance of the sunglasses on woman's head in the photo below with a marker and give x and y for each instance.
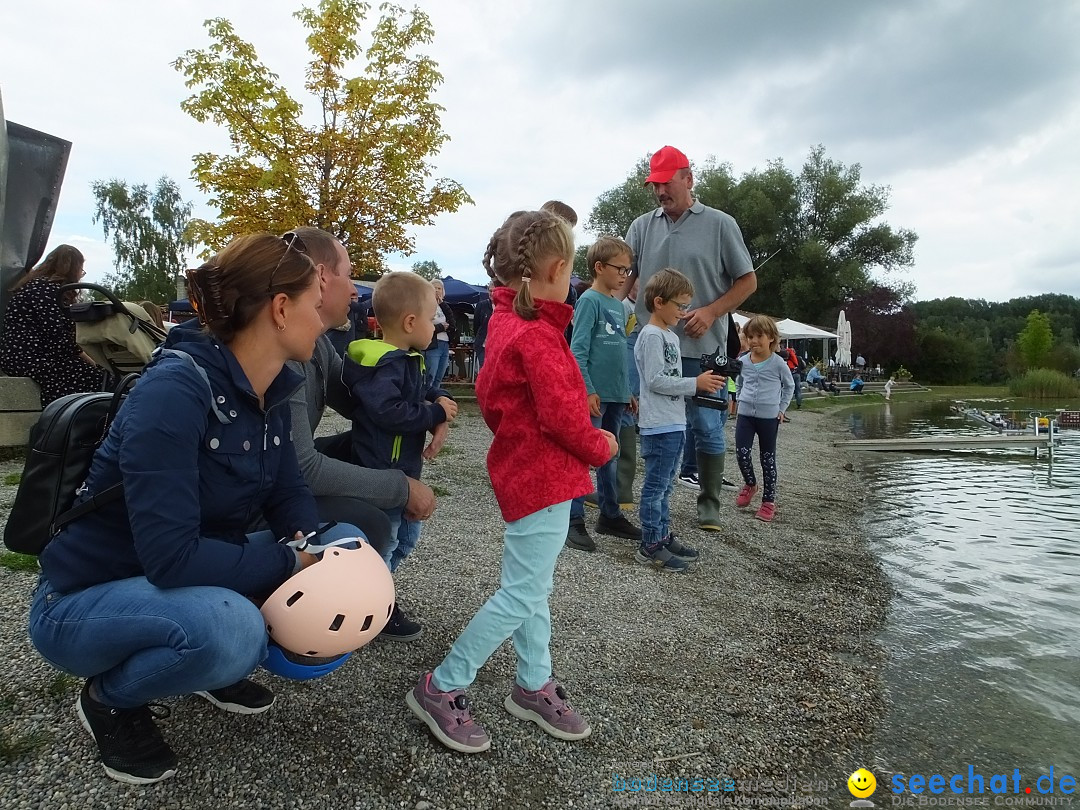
(292, 241)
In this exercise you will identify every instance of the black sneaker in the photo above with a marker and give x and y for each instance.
(128, 740)
(243, 697)
(725, 484)
(577, 536)
(689, 480)
(400, 627)
(661, 559)
(618, 526)
(677, 549)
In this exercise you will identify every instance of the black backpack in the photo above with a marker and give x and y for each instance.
(58, 457)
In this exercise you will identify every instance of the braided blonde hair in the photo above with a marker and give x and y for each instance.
(522, 245)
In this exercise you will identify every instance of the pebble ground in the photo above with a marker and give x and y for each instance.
(760, 666)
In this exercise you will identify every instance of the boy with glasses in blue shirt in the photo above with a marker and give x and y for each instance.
(599, 345)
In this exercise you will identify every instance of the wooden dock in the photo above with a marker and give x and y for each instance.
(944, 443)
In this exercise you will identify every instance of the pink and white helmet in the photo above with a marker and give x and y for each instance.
(335, 606)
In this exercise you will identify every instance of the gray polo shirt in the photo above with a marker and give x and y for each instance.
(706, 246)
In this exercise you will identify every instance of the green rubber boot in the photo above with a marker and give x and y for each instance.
(711, 478)
(626, 466)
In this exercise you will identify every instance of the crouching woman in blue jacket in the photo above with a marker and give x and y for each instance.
(147, 596)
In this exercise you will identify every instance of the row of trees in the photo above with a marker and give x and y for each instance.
(969, 340)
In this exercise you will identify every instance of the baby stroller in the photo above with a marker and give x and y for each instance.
(117, 335)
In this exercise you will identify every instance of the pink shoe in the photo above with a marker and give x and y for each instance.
(549, 709)
(448, 716)
(746, 494)
(766, 512)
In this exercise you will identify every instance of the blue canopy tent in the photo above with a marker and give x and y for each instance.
(363, 290)
(460, 292)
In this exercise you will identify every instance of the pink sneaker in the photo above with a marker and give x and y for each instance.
(746, 494)
(448, 716)
(766, 512)
(549, 709)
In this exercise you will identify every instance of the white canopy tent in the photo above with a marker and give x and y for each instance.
(795, 330)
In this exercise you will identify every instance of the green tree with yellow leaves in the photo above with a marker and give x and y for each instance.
(358, 168)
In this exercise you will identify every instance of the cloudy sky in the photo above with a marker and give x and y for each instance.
(968, 109)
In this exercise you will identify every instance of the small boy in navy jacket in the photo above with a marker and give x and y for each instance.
(394, 407)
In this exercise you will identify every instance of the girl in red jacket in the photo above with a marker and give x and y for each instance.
(533, 398)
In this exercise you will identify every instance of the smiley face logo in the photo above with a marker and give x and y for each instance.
(861, 783)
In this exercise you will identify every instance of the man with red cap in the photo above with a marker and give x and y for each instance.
(707, 246)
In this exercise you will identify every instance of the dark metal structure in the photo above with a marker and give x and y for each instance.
(32, 167)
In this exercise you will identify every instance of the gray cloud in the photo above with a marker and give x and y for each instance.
(906, 84)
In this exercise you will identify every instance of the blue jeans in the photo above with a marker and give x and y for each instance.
(707, 424)
(689, 453)
(518, 610)
(404, 535)
(611, 420)
(796, 377)
(143, 643)
(661, 452)
(436, 361)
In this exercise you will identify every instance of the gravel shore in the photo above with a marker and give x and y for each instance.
(760, 664)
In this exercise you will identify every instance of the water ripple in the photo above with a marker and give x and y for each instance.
(983, 636)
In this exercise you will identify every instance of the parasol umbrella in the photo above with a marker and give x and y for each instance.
(843, 340)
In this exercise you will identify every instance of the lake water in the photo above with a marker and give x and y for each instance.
(983, 639)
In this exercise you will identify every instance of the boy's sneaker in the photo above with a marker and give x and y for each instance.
(729, 485)
(243, 697)
(618, 526)
(689, 480)
(400, 627)
(577, 536)
(448, 716)
(677, 549)
(767, 511)
(661, 558)
(549, 709)
(746, 494)
(129, 742)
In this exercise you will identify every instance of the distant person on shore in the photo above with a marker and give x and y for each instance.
(481, 317)
(765, 391)
(533, 398)
(662, 416)
(395, 407)
(815, 378)
(857, 384)
(889, 386)
(437, 354)
(39, 335)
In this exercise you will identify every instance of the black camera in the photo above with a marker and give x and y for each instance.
(721, 364)
(718, 363)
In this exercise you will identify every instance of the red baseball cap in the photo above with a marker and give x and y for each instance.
(664, 163)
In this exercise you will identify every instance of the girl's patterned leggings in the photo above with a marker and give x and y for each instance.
(746, 427)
